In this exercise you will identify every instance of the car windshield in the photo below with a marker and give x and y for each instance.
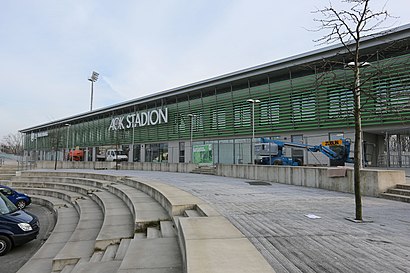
(6, 206)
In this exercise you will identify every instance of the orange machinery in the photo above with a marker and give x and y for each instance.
(76, 155)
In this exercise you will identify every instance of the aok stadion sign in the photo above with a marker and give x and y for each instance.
(139, 119)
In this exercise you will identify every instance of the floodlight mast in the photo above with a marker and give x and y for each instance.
(92, 79)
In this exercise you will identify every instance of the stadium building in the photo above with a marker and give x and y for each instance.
(306, 98)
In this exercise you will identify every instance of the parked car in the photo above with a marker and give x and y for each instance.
(21, 200)
(17, 227)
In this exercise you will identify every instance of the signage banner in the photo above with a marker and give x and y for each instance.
(139, 119)
(332, 143)
(202, 154)
(34, 136)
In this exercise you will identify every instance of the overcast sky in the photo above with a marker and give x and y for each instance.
(49, 48)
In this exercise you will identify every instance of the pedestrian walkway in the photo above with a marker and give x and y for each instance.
(301, 229)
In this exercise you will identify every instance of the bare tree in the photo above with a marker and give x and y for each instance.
(55, 139)
(12, 143)
(348, 26)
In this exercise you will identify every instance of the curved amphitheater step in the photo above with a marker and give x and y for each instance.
(82, 241)
(103, 239)
(145, 209)
(174, 231)
(7, 172)
(67, 220)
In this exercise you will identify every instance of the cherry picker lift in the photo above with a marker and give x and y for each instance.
(270, 151)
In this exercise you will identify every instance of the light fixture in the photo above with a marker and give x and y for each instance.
(93, 79)
(360, 64)
(68, 130)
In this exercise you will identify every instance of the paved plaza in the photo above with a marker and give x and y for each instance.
(283, 222)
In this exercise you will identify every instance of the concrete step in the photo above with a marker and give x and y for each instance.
(50, 202)
(403, 186)
(118, 221)
(6, 176)
(106, 178)
(396, 197)
(226, 249)
(8, 171)
(204, 171)
(84, 190)
(109, 253)
(153, 255)
(79, 263)
(68, 196)
(96, 257)
(122, 249)
(82, 241)
(153, 232)
(67, 221)
(172, 199)
(46, 177)
(68, 268)
(191, 213)
(145, 209)
(100, 267)
(399, 192)
(167, 229)
(8, 167)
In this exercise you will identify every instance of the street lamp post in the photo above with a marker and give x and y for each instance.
(36, 151)
(253, 101)
(192, 134)
(68, 132)
(93, 79)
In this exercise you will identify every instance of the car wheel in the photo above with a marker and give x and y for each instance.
(5, 245)
(21, 204)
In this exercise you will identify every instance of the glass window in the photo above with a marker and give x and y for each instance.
(156, 152)
(181, 152)
(136, 154)
(226, 152)
(243, 151)
(163, 152)
(6, 206)
(297, 153)
(336, 135)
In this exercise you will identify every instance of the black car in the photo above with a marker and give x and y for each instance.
(16, 226)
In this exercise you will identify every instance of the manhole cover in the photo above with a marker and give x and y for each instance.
(258, 183)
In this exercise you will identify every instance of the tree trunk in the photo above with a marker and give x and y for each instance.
(357, 143)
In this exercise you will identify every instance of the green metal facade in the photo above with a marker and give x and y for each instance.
(299, 99)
